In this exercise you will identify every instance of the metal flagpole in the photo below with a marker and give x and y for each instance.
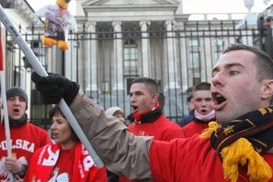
(4, 103)
(38, 68)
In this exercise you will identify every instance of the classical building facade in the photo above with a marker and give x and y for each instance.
(119, 40)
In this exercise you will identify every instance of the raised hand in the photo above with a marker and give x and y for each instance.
(55, 87)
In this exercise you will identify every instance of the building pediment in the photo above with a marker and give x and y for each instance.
(127, 10)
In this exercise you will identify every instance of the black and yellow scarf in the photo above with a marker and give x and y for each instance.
(240, 143)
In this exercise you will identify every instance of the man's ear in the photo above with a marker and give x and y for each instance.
(155, 97)
(267, 90)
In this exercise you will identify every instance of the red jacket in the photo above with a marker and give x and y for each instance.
(25, 140)
(193, 128)
(190, 159)
(162, 129)
(46, 164)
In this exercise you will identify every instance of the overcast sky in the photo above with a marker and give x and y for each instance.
(221, 6)
(190, 6)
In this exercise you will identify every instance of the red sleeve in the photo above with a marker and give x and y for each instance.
(175, 160)
(97, 175)
(161, 165)
(185, 159)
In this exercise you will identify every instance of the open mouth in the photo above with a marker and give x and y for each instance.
(203, 111)
(134, 108)
(218, 100)
(16, 110)
(54, 136)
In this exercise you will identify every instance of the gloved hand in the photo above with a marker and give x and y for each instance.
(55, 87)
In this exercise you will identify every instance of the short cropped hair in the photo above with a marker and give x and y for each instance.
(189, 97)
(149, 82)
(264, 61)
(201, 86)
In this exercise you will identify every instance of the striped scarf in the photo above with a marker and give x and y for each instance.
(241, 141)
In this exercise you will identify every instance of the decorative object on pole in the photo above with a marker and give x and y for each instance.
(251, 19)
(249, 4)
(58, 21)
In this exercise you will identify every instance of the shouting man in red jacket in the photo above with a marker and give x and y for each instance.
(238, 147)
(147, 117)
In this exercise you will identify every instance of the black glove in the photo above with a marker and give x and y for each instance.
(55, 87)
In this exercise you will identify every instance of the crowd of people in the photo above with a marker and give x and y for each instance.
(226, 137)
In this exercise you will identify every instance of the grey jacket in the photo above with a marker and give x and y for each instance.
(122, 152)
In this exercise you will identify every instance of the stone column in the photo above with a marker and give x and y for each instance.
(91, 57)
(184, 62)
(172, 82)
(117, 77)
(145, 41)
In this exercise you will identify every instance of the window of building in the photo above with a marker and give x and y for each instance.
(194, 42)
(195, 60)
(219, 44)
(130, 51)
(130, 55)
(194, 53)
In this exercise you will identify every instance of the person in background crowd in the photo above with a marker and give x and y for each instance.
(203, 112)
(236, 148)
(25, 137)
(147, 117)
(64, 160)
(187, 119)
(116, 112)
